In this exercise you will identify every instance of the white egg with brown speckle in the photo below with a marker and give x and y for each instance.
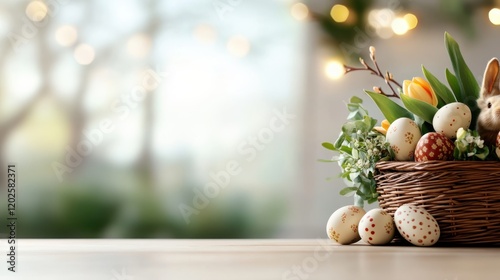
(416, 225)
(342, 226)
(376, 227)
(449, 118)
(403, 135)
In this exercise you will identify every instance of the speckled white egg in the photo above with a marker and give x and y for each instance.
(451, 117)
(403, 135)
(343, 224)
(376, 227)
(416, 225)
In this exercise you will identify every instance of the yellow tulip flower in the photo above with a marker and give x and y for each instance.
(383, 128)
(420, 89)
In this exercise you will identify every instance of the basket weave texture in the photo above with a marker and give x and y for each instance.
(463, 196)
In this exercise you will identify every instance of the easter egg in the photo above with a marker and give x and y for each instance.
(416, 225)
(451, 117)
(434, 146)
(403, 135)
(376, 227)
(342, 226)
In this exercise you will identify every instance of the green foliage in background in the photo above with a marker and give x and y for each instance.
(95, 211)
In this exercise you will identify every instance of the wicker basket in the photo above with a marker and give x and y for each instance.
(463, 196)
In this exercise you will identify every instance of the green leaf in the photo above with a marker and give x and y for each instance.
(453, 82)
(469, 88)
(339, 141)
(328, 145)
(439, 88)
(391, 110)
(348, 191)
(426, 127)
(419, 108)
(356, 100)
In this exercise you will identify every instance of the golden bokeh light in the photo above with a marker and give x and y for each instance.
(339, 13)
(84, 54)
(36, 11)
(399, 26)
(411, 20)
(494, 16)
(238, 46)
(66, 35)
(334, 69)
(299, 11)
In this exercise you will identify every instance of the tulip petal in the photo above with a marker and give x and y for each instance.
(418, 92)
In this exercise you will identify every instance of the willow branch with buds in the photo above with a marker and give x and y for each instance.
(388, 77)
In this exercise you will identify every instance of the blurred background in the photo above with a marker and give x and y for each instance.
(200, 118)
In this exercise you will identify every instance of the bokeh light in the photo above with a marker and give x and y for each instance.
(205, 33)
(399, 26)
(411, 20)
(36, 11)
(494, 16)
(139, 45)
(84, 54)
(339, 13)
(299, 11)
(334, 69)
(381, 18)
(66, 35)
(238, 46)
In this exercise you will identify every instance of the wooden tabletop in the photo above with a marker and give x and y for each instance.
(244, 259)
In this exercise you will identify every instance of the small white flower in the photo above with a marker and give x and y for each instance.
(469, 139)
(479, 142)
(461, 133)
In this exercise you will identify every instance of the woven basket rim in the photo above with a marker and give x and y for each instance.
(436, 165)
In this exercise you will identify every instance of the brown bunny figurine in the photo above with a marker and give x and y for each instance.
(488, 122)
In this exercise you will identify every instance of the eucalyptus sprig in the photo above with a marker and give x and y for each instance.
(359, 148)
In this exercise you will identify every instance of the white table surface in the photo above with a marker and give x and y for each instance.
(243, 259)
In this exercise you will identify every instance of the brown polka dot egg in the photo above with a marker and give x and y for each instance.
(451, 117)
(342, 226)
(376, 227)
(416, 225)
(434, 146)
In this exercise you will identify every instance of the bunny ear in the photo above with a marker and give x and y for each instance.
(490, 79)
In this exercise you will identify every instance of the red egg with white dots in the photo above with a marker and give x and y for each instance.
(416, 225)
(434, 146)
(376, 227)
